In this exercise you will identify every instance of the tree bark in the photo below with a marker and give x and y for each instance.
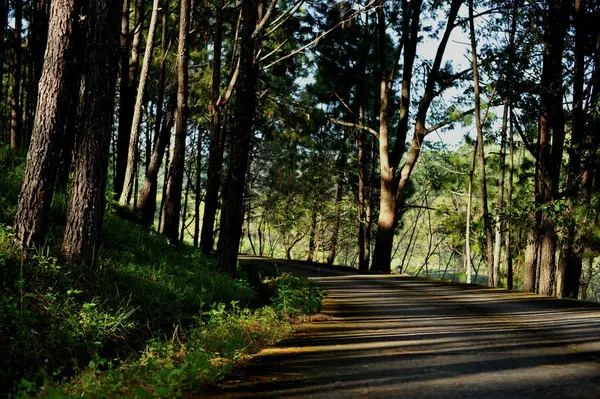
(215, 155)
(15, 105)
(245, 104)
(551, 138)
(81, 240)
(172, 207)
(570, 264)
(57, 85)
(137, 112)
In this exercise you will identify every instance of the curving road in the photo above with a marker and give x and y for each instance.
(385, 336)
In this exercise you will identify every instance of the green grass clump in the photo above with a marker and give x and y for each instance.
(294, 295)
(190, 359)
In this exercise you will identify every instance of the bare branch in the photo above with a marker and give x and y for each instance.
(356, 125)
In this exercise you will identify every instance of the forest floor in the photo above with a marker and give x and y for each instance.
(397, 336)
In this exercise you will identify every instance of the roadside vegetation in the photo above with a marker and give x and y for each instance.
(79, 331)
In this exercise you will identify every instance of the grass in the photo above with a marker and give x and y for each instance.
(67, 331)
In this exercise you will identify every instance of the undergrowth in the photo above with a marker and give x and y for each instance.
(72, 331)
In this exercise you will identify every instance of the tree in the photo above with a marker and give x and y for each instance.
(57, 86)
(137, 113)
(215, 157)
(487, 226)
(244, 114)
(81, 240)
(395, 179)
(172, 207)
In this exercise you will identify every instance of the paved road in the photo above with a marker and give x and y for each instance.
(397, 336)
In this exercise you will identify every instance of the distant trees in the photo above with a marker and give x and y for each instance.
(294, 126)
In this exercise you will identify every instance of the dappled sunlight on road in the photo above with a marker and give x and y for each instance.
(398, 336)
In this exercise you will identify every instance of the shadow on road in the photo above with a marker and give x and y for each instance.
(390, 336)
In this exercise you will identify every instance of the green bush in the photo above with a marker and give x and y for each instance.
(295, 295)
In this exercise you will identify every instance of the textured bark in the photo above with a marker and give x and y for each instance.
(81, 240)
(388, 163)
(245, 104)
(15, 104)
(38, 34)
(56, 90)
(570, 264)
(551, 137)
(215, 155)
(137, 113)
(530, 272)
(172, 206)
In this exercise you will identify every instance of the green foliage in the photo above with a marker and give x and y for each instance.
(294, 295)
(12, 167)
(193, 357)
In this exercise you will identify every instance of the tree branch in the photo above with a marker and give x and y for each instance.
(355, 125)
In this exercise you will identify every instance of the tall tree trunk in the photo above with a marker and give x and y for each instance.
(469, 268)
(215, 155)
(81, 240)
(509, 193)
(164, 186)
(341, 166)
(184, 212)
(15, 105)
(3, 25)
(552, 135)
(498, 228)
(161, 76)
(245, 104)
(125, 99)
(393, 187)
(147, 201)
(313, 230)
(487, 226)
(57, 85)
(172, 207)
(387, 209)
(570, 265)
(198, 196)
(137, 112)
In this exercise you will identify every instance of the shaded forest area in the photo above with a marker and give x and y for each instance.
(456, 140)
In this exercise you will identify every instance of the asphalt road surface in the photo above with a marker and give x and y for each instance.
(385, 336)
